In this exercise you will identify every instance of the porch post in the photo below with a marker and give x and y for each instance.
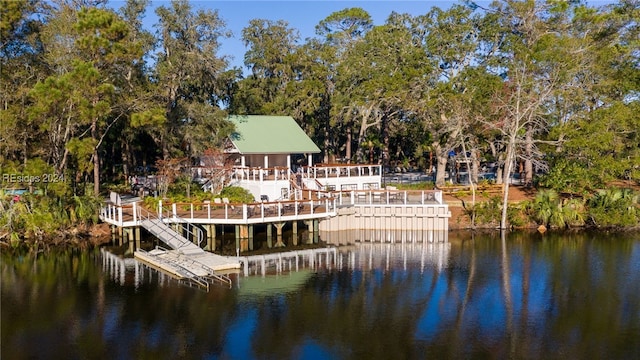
(266, 161)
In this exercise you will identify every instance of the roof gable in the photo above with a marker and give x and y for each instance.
(259, 134)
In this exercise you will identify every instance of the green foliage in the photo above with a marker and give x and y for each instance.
(84, 88)
(84, 209)
(423, 185)
(487, 212)
(151, 203)
(549, 209)
(567, 176)
(614, 207)
(36, 215)
(237, 194)
(517, 215)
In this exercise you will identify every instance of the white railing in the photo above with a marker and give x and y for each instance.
(196, 234)
(320, 203)
(342, 170)
(191, 212)
(185, 272)
(314, 172)
(384, 197)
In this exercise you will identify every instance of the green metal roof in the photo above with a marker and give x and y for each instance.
(258, 134)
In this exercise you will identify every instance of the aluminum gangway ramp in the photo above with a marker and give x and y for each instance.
(170, 237)
(186, 260)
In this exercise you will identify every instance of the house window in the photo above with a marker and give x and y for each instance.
(348, 187)
(372, 186)
(329, 188)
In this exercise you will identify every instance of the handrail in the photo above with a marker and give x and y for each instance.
(190, 275)
(199, 279)
(210, 271)
(151, 216)
(172, 234)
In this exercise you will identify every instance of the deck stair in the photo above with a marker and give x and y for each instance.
(168, 236)
(185, 260)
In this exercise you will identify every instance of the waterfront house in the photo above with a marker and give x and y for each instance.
(265, 151)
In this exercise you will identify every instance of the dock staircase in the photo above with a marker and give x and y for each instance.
(170, 237)
(185, 260)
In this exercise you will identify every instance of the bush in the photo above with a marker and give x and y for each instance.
(550, 210)
(236, 194)
(614, 207)
(488, 212)
(424, 185)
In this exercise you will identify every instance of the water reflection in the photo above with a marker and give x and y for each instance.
(523, 296)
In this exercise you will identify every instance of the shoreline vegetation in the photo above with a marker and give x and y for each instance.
(41, 221)
(92, 95)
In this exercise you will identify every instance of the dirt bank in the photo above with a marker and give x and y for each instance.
(461, 221)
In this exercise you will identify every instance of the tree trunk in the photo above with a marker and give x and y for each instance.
(125, 159)
(441, 165)
(348, 145)
(507, 173)
(96, 159)
(325, 151)
(385, 145)
(528, 164)
(475, 166)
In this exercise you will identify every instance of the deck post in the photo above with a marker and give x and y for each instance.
(294, 226)
(135, 213)
(250, 236)
(242, 237)
(269, 236)
(130, 240)
(136, 236)
(309, 224)
(120, 235)
(237, 233)
(211, 237)
(279, 227)
(315, 230)
(174, 210)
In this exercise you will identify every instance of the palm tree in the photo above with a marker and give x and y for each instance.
(614, 207)
(550, 209)
(546, 206)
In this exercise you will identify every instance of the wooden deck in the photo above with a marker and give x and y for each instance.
(324, 206)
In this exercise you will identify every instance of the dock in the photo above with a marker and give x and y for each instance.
(185, 259)
(189, 230)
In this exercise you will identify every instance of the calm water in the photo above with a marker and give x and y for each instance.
(527, 296)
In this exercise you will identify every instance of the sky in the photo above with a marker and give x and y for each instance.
(302, 15)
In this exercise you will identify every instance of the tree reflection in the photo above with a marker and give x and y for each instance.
(63, 299)
(521, 296)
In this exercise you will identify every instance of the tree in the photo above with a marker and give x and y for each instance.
(528, 60)
(376, 75)
(20, 68)
(73, 106)
(594, 116)
(342, 30)
(453, 81)
(191, 80)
